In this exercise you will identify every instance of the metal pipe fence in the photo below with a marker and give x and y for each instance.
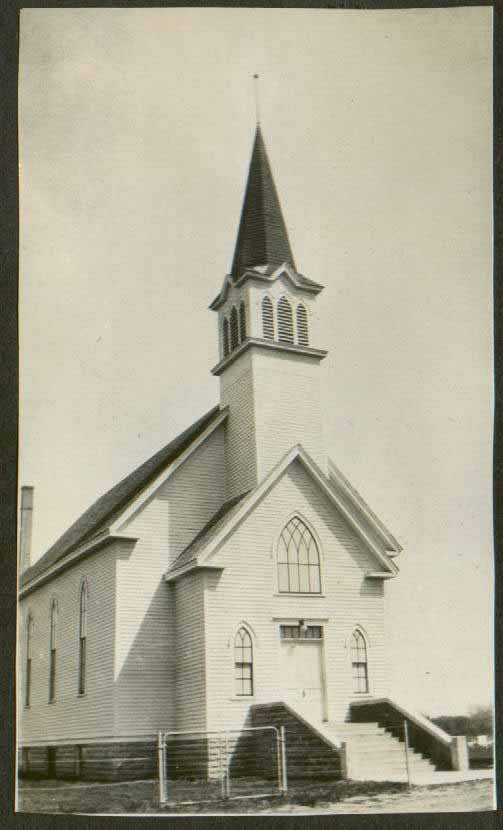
(202, 765)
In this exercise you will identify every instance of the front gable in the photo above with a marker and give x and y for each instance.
(309, 491)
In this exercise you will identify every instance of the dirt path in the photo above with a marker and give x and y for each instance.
(469, 796)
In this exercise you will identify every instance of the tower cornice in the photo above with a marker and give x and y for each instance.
(272, 345)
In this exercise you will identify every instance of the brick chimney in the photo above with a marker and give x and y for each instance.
(25, 525)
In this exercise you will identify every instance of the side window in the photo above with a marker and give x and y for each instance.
(29, 650)
(84, 597)
(243, 663)
(267, 319)
(359, 663)
(285, 321)
(52, 651)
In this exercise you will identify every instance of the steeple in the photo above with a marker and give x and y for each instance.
(262, 236)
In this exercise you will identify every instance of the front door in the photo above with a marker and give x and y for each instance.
(301, 677)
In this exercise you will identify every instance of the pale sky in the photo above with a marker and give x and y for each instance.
(136, 129)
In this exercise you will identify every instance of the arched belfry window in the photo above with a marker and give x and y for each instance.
(285, 321)
(234, 328)
(359, 663)
(29, 649)
(302, 326)
(242, 322)
(52, 651)
(243, 663)
(225, 336)
(298, 560)
(84, 601)
(267, 319)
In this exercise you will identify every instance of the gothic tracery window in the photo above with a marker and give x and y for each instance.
(298, 560)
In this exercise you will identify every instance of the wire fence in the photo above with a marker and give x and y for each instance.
(208, 766)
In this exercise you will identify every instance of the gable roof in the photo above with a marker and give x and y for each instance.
(199, 551)
(106, 508)
(262, 236)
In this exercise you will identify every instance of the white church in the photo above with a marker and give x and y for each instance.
(234, 578)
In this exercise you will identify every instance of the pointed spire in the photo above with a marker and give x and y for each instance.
(262, 236)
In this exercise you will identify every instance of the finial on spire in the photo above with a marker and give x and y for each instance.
(257, 108)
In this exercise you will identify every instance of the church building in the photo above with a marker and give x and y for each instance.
(234, 578)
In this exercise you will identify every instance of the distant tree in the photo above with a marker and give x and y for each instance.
(481, 720)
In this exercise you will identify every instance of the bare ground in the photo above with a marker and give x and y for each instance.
(342, 797)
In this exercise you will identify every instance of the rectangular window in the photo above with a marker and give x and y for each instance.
(360, 678)
(244, 679)
(52, 675)
(82, 665)
(296, 632)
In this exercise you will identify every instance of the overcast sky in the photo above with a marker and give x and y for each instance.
(136, 130)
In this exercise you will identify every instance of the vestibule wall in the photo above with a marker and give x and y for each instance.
(246, 591)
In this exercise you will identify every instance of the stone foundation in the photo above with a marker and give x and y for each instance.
(91, 762)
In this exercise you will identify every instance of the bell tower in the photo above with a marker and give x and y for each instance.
(269, 362)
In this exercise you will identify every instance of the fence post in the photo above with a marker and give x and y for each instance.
(406, 737)
(284, 775)
(227, 782)
(161, 753)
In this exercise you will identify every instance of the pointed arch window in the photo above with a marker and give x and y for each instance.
(84, 601)
(52, 651)
(29, 649)
(225, 336)
(234, 328)
(243, 663)
(267, 319)
(285, 321)
(298, 560)
(242, 322)
(359, 663)
(302, 326)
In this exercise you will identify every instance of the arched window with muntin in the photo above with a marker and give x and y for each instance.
(267, 319)
(84, 601)
(298, 560)
(242, 322)
(225, 336)
(28, 667)
(285, 321)
(359, 663)
(243, 663)
(234, 328)
(302, 326)
(52, 651)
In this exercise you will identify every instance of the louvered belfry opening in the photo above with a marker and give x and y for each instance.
(285, 321)
(225, 335)
(234, 328)
(302, 326)
(242, 321)
(267, 319)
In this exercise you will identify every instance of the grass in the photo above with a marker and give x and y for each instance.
(142, 797)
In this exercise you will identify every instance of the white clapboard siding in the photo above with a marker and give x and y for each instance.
(246, 591)
(146, 641)
(240, 448)
(70, 716)
(190, 653)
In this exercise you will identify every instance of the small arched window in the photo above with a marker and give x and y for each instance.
(29, 649)
(267, 319)
(243, 663)
(298, 560)
(302, 327)
(285, 321)
(242, 321)
(84, 597)
(225, 336)
(359, 663)
(234, 328)
(52, 651)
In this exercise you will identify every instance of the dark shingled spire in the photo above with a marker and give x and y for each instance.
(262, 237)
